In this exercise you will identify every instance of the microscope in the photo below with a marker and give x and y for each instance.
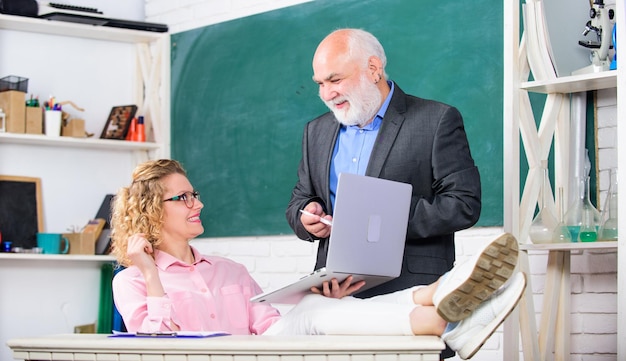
(601, 23)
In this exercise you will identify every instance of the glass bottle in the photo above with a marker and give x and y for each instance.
(608, 229)
(561, 233)
(597, 216)
(574, 215)
(544, 223)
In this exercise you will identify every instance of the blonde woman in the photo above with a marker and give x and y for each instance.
(169, 285)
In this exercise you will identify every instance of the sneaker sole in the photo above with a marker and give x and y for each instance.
(469, 350)
(494, 267)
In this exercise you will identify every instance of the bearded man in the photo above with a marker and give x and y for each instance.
(375, 129)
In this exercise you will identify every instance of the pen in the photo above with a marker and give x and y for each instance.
(157, 334)
(323, 220)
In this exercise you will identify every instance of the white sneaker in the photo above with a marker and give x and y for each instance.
(465, 286)
(471, 333)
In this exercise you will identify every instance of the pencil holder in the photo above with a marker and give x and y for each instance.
(13, 82)
(34, 120)
(53, 123)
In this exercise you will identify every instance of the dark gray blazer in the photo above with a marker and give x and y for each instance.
(420, 142)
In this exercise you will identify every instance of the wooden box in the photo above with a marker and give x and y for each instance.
(34, 120)
(81, 243)
(74, 128)
(85, 242)
(13, 103)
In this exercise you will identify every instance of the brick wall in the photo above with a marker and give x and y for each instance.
(606, 114)
(274, 261)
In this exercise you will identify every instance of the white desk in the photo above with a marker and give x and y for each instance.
(83, 347)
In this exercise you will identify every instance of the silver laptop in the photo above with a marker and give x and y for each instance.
(366, 240)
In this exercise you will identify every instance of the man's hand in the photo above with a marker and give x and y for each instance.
(313, 224)
(333, 289)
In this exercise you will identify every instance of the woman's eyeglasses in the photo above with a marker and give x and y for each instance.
(187, 197)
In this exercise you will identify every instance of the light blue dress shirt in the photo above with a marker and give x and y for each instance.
(354, 146)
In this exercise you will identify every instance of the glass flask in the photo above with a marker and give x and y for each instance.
(561, 233)
(545, 222)
(608, 229)
(574, 215)
(588, 231)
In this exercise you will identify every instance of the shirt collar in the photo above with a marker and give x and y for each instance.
(383, 108)
(163, 259)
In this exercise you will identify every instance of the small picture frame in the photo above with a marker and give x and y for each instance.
(118, 122)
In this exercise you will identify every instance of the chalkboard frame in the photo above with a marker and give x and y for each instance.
(24, 237)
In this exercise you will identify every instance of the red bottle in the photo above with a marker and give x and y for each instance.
(131, 130)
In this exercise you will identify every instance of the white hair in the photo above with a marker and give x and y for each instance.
(362, 45)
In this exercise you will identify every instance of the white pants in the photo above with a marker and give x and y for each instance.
(318, 315)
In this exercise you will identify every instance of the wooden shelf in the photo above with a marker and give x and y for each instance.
(54, 27)
(574, 83)
(86, 31)
(88, 143)
(56, 257)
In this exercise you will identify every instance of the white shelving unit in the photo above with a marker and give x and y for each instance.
(85, 143)
(574, 83)
(150, 74)
(551, 339)
(57, 257)
(96, 68)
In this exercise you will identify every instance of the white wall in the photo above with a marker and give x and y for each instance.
(190, 14)
(116, 9)
(97, 92)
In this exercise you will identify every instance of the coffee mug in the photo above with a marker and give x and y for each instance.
(53, 243)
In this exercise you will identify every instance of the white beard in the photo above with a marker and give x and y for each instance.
(363, 103)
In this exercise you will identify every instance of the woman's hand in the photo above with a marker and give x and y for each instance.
(139, 251)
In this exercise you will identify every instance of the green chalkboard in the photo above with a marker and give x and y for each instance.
(242, 93)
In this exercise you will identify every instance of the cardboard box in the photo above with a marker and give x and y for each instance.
(34, 120)
(74, 128)
(85, 242)
(13, 103)
(81, 243)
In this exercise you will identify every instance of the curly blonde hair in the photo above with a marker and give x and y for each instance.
(138, 208)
